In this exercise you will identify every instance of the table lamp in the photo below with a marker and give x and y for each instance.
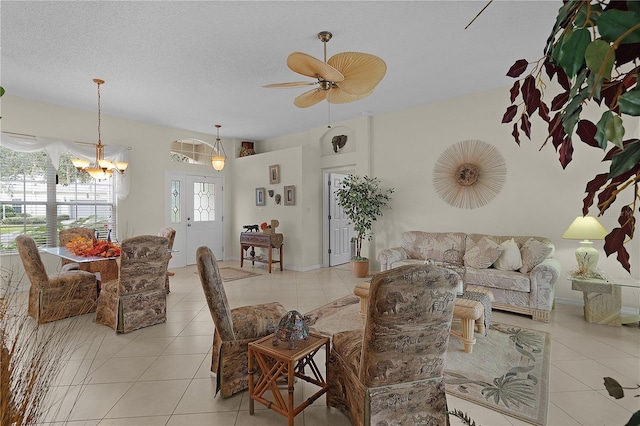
(586, 228)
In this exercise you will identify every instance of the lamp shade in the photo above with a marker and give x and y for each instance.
(585, 228)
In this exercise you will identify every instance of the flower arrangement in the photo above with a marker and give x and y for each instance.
(81, 246)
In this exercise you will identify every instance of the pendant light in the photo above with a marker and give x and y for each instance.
(101, 169)
(218, 156)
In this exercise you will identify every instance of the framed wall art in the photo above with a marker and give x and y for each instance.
(274, 174)
(260, 197)
(290, 195)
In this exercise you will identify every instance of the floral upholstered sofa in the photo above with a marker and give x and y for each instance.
(520, 271)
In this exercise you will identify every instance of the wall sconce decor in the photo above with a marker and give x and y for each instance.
(101, 169)
(260, 197)
(274, 174)
(290, 195)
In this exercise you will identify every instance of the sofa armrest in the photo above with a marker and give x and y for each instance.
(387, 256)
(543, 278)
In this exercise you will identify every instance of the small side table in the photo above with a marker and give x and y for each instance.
(277, 362)
(603, 300)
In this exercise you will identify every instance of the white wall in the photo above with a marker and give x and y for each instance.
(538, 198)
(401, 148)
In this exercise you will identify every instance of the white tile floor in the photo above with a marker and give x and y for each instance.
(160, 375)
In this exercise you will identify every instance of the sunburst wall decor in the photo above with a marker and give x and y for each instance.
(469, 174)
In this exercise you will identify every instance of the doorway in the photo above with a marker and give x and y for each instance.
(337, 229)
(194, 207)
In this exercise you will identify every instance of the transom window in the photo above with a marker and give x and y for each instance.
(192, 151)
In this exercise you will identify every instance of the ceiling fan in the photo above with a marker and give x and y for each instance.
(345, 77)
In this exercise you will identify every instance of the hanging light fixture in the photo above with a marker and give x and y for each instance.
(101, 169)
(218, 156)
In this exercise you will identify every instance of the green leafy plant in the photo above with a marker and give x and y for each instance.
(615, 389)
(593, 52)
(362, 200)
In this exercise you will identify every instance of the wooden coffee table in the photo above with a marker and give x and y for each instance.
(279, 362)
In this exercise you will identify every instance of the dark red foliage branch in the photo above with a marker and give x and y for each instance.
(593, 53)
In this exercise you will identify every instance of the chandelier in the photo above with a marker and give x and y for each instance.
(101, 169)
(218, 156)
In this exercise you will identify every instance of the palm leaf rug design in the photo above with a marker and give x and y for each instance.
(508, 372)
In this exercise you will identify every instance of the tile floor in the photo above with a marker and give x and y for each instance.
(160, 375)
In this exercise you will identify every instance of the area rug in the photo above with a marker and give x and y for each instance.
(232, 274)
(508, 370)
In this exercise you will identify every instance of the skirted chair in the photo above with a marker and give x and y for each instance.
(169, 234)
(391, 373)
(138, 297)
(234, 328)
(66, 235)
(53, 297)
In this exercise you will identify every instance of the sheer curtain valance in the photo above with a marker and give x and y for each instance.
(56, 147)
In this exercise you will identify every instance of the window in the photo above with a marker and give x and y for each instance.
(192, 151)
(38, 200)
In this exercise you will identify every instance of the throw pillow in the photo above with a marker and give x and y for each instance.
(533, 252)
(483, 254)
(510, 258)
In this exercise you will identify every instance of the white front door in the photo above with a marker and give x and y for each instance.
(340, 230)
(196, 213)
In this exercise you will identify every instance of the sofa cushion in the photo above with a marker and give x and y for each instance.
(495, 278)
(510, 259)
(533, 252)
(482, 254)
(432, 245)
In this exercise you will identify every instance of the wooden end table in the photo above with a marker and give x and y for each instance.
(603, 299)
(276, 363)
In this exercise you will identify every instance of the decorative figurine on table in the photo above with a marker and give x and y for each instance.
(292, 327)
(250, 228)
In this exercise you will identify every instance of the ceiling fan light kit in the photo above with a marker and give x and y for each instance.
(345, 77)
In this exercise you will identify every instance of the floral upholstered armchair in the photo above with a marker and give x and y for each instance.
(137, 298)
(392, 373)
(65, 236)
(234, 328)
(169, 234)
(57, 296)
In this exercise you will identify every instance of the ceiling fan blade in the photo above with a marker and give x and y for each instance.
(337, 95)
(310, 98)
(362, 71)
(291, 84)
(311, 67)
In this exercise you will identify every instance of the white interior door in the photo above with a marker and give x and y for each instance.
(195, 211)
(340, 230)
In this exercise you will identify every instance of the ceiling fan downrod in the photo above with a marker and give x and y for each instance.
(324, 37)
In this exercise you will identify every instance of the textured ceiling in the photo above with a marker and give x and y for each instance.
(191, 65)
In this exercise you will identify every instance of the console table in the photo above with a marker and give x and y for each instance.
(262, 240)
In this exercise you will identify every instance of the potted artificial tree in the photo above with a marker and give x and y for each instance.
(362, 200)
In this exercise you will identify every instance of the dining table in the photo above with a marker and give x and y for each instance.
(105, 268)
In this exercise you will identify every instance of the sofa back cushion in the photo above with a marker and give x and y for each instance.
(532, 253)
(432, 245)
(482, 254)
